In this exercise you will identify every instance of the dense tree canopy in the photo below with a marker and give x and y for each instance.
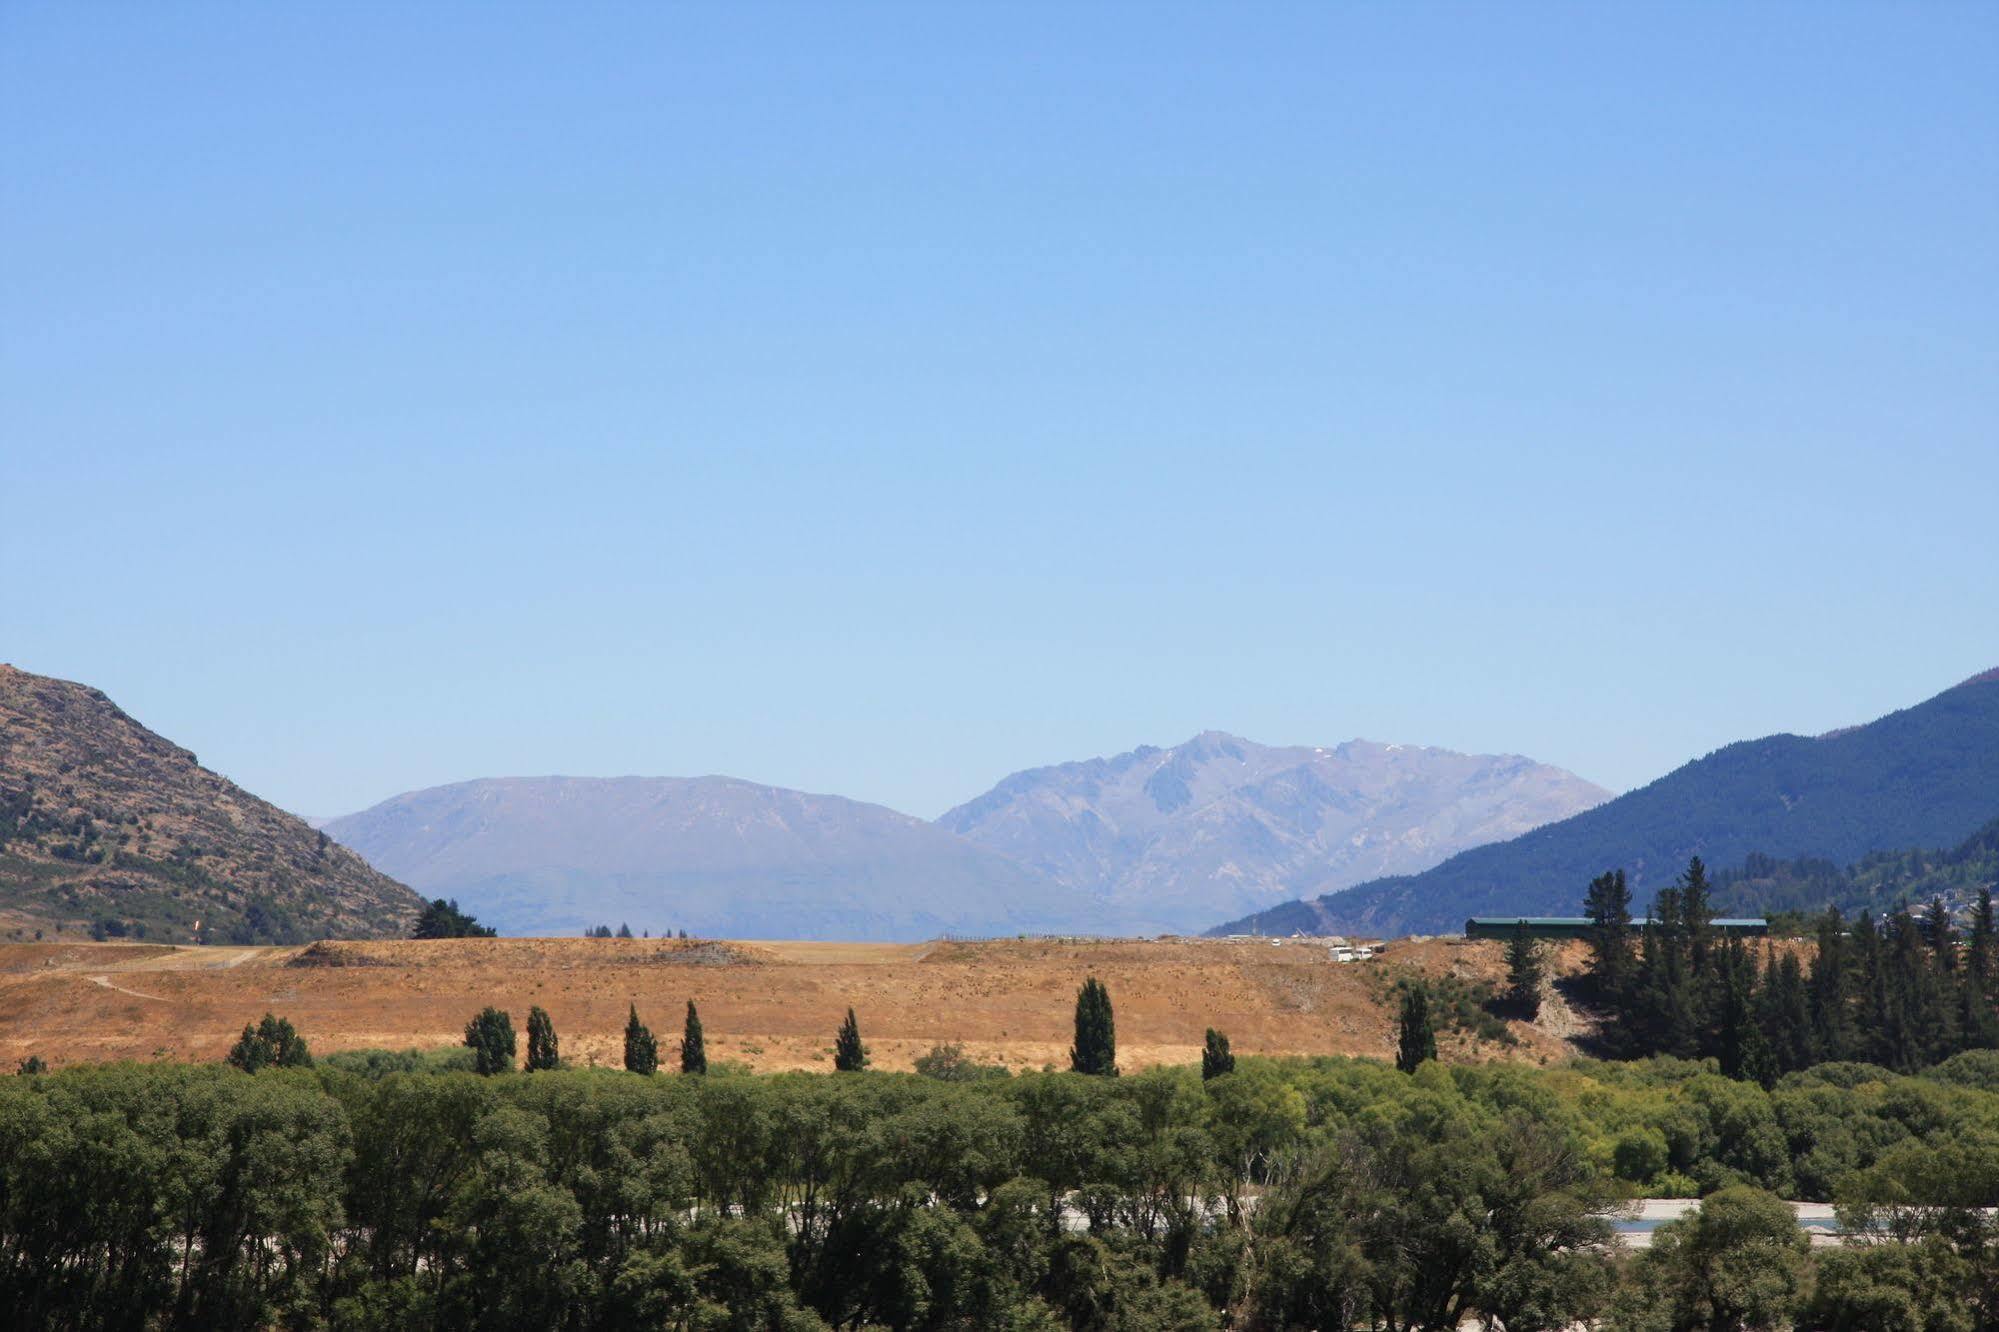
(380, 1190)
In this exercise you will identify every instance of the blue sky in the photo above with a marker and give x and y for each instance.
(882, 399)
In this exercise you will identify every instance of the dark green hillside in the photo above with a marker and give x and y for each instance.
(1926, 776)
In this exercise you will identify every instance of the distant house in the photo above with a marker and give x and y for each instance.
(1577, 927)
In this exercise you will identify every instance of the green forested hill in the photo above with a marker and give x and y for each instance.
(1874, 884)
(1927, 776)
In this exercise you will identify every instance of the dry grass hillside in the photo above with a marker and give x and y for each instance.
(103, 823)
(768, 1005)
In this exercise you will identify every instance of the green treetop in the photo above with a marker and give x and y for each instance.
(849, 1055)
(641, 1050)
(693, 1047)
(1215, 1056)
(271, 1043)
(1095, 1050)
(490, 1036)
(1418, 1039)
(541, 1040)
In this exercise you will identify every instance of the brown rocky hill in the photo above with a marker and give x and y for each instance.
(107, 827)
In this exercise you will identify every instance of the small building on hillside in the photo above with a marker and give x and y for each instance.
(1577, 927)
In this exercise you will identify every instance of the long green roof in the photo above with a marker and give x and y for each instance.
(1567, 921)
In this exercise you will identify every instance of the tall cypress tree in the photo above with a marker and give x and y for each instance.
(641, 1050)
(1095, 1050)
(1417, 1039)
(849, 1055)
(1216, 1058)
(541, 1040)
(693, 1047)
(1608, 908)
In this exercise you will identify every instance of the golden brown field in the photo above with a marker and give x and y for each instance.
(768, 1005)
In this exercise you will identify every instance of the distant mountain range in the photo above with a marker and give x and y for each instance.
(1169, 835)
(711, 855)
(1927, 776)
(106, 826)
(1152, 840)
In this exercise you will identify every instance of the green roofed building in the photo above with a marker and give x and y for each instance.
(1577, 927)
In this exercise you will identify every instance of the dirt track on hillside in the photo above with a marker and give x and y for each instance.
(768, 1005)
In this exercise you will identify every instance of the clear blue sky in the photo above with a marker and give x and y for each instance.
(880, 399)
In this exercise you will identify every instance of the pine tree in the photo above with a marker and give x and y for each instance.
(1523, 975)
(1739, 1039)
(1095, 1050)
(1418, 1039)
(1941, 933)
(1872, 1003)
(541, 1041)
(1978, 981)
(1663, 1015)
(443, 920)
(1786, 1013)
(490, 1036)
(641, 1050)
(1903, 1029)
(624, 931)
(270, 1043)
(1981, 952)
(1608, 908)
(693, 1049)
(1831, 992)
(1697, 911)
(1215, 1056)
(849, 1055)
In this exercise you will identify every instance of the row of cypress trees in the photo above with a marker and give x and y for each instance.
(490, 1036)
(1906, 991)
